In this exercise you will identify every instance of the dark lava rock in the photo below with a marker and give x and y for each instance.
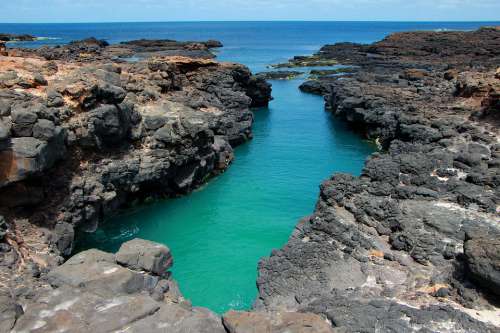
(381, 251)
(92, 41)
(483, 260)
(314, 87)
(16, 38)
(280, 75)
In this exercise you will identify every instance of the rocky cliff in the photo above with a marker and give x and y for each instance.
(411, 244)
(88, 128)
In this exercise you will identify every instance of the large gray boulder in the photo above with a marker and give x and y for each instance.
(173, 318)
(70, 309)
(140, 254)
(95, 294)
(23, 119)
(94, 271)
(27, 156)
(483, 260)
(109, 124)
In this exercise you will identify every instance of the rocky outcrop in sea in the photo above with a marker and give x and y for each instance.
(411, 244)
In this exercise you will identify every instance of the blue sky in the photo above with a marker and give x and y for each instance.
(194, 10)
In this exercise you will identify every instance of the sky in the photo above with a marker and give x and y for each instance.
(31, 11)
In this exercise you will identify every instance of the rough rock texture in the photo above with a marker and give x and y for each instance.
(280, 75)
(385, 251)
(89, 128)
(286, 322)
(92, 292)
(483, 260)
(145, 255)
(95, 291)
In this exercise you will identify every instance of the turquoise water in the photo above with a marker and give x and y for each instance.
(218, 233)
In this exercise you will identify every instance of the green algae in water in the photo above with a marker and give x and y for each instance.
(218, 233)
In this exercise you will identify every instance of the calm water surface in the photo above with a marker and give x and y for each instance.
(218, 233)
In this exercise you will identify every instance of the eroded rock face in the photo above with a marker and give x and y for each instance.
(385, 251)
(88, 128)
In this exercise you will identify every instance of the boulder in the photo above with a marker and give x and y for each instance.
(70, 309)
(92, 271)
(483, 261)
(23, 119)
(173, 318)
(44, 130)
(109, 124)
(140, 254)
(111, 94)
(54, 99)
(27, 156)
(276, 322)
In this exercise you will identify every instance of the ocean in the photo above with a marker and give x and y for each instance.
(218, 233)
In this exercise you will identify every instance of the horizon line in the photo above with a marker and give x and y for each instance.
(258, 21)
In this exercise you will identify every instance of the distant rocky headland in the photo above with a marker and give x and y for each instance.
(410, 245)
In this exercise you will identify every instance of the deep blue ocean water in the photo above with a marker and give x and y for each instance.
(218, 233)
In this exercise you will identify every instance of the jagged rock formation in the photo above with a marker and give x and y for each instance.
(83, 133)
(412, 244)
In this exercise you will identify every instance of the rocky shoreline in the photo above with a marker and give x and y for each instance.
(411, 244)
(89, 128)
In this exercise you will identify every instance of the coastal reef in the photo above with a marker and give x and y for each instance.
(413, 243)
